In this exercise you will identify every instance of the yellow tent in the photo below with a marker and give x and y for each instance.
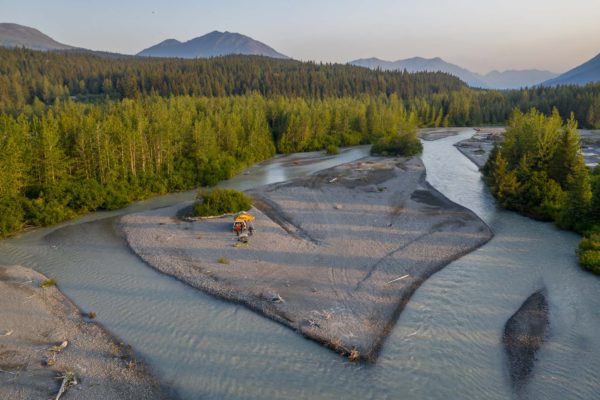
(244, 217)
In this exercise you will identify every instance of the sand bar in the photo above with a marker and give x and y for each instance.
(35, 321)
(336, 255)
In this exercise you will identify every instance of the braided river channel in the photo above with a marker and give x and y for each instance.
(447, 343)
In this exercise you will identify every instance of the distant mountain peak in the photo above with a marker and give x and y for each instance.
(212, 44)
(421, 64)
(493, 80)
(15, 35)
(587, 72)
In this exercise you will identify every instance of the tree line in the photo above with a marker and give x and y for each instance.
(69, 158)
(27, 76)
(80, 132)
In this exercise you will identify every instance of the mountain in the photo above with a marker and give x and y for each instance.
(419, 64)
(513, 79)
(585, 73)
(14, 35)
(492, 80)
(211, 45)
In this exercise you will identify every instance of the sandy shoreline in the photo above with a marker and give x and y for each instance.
(33, 320)
(328, 252)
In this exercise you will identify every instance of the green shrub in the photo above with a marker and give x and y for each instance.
(352, 138)
(590, 260)
(590, 243)
(46, 283)
(589, 250)
(220, 201)
(12, 216)
(332, 149)
(44, 212)
(399, 144)
(84, 196)
(223, 260)
(116, 196)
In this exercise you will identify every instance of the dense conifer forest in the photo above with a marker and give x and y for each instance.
(538, 170)
(81, 132)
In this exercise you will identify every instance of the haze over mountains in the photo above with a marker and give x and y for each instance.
(224, 43)
(492, 80)
(213, 44)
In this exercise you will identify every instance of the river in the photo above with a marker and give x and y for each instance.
(446, 344)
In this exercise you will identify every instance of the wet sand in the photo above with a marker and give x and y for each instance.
(33, 320)
(335, 256)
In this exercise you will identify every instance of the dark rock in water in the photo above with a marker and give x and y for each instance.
(524, 334)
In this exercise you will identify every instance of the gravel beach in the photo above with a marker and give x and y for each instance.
(431, 134)
(479, 146)
(35, 321)
(335, 256)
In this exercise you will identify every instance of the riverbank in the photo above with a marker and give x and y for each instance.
(43, 337)
(336, 255)
(431, 134)
(478, 147)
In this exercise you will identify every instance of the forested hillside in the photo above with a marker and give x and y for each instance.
(26, 74)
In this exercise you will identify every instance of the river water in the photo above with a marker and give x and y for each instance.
(446, 344)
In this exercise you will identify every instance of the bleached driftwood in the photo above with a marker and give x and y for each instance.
(397, 279)
(68, 381)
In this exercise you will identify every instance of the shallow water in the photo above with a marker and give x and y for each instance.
(446, 343)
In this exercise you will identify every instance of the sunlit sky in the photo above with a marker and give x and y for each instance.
(480, 35)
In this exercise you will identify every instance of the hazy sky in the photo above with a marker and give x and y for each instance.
(477, 34)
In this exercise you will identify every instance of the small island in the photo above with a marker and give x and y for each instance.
(335, 256)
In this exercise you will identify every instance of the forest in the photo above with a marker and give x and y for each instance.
(81, 132)
(438, 98)
(538, 170)
(70, 158)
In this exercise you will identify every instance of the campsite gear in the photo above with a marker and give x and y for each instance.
(244, 216)
(242, 226)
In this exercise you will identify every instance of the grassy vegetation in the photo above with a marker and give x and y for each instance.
(46, 283)
(589, 252)
(223, 260)
(218, 201)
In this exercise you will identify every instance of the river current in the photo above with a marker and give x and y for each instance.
(445, 345)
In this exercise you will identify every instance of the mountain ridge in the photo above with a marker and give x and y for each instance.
(419, 64)
(588, 72)
(15, 35)
(510, 79)
(212, 44)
